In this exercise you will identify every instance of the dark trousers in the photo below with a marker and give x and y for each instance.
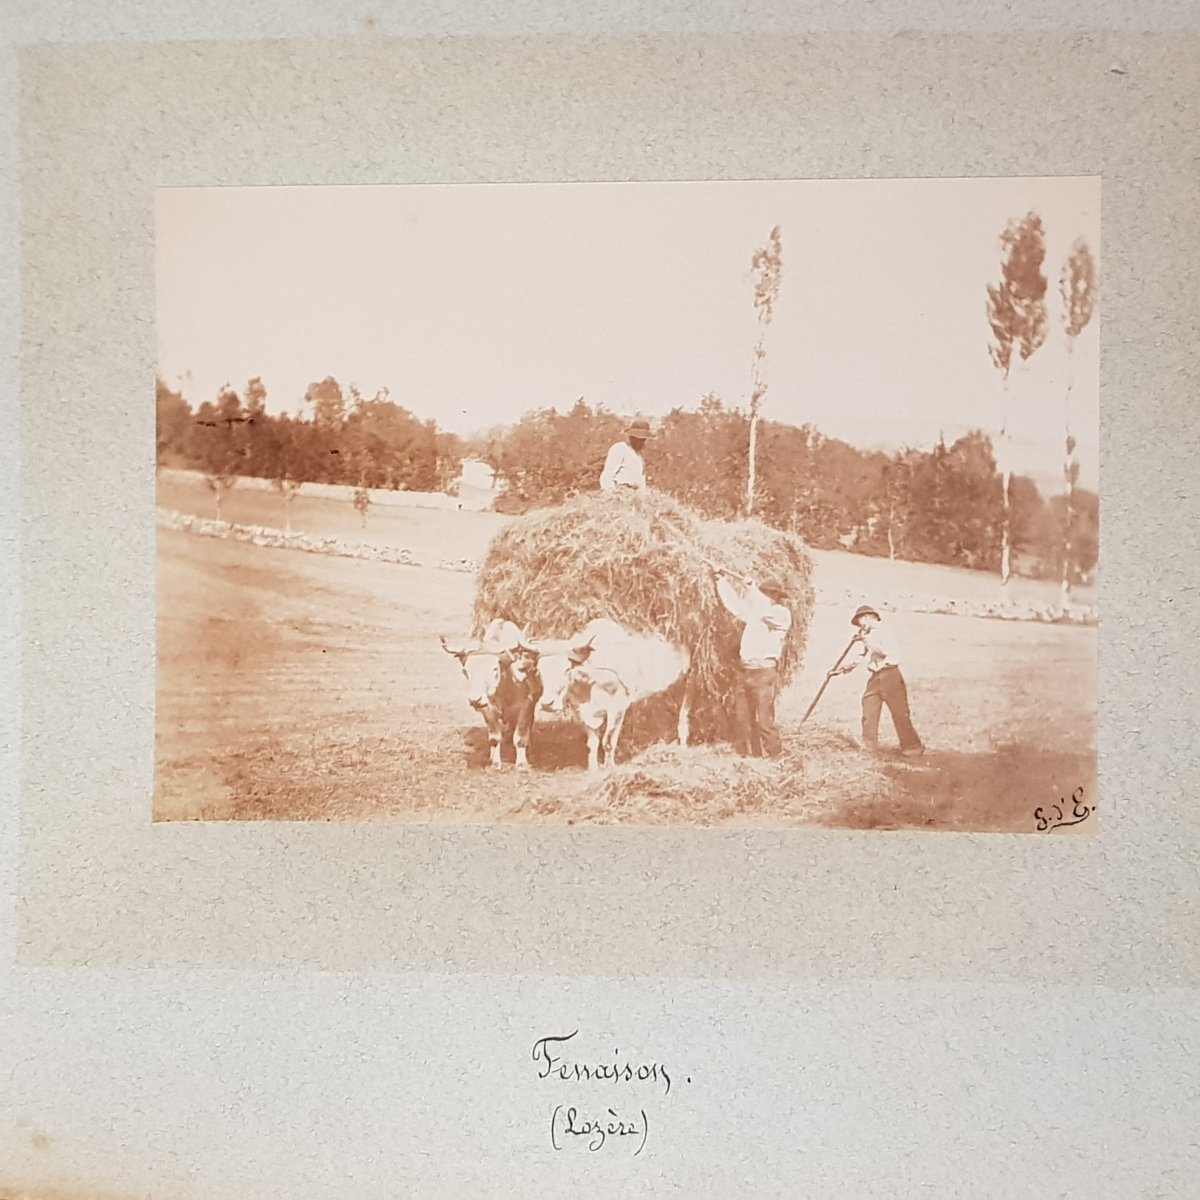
(754, 712)
(887, 687)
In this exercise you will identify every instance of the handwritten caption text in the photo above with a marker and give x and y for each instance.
(617, 1117)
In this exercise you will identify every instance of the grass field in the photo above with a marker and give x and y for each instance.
(305, 687)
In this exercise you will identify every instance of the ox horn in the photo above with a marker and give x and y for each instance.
(580, 650)
(459, 647)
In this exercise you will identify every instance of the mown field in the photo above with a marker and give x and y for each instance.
(297, 686)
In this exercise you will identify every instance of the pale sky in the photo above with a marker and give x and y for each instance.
(473, 304)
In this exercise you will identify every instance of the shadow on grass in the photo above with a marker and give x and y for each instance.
(554, 746)
(995, 791)
(560, 743)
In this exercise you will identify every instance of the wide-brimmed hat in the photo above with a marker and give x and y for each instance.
(773, 589)
(639, 428)
(864, 610)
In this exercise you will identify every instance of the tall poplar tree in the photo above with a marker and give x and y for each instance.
(1016, 311)
(767, 265)
(1077, 287)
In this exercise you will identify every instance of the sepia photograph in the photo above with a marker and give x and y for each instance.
(752, 505)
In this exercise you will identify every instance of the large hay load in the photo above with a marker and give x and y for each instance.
(645, 560)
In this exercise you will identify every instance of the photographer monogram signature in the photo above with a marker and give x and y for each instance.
(1057, 817)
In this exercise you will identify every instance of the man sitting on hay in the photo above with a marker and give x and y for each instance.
(625, 467)
(763, 608)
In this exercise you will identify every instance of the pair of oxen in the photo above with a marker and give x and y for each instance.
(594, 676)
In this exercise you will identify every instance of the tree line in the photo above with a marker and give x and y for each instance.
(942, 505)
(339, 436)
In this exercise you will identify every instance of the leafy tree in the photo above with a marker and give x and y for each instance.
(362, 504)
(896, 514)
(549, 456)
(1033, 539)
(287, 488)
(255, 429)
(220, 482)
(846, 493)
(219, 450)
(1078, 558)
(328, 404)
(790, 488)
(449, 453)
(972, 491)
(229, 407)
(285, 459)
(256, 398)
(173, 425)
(950, 500)
(1077, 287)
(931, 496)
(699, 457)
(1016, 311)
(423, 465)
(1085, 542)
(815, 486)
(386, 446)
(767, 265)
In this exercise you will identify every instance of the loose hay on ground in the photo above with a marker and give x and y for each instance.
(817, 774)
(644, 560)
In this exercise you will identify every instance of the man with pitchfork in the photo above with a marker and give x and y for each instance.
(885, 684)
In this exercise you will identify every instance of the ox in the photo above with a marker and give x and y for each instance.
(503, 686)
(600, 672)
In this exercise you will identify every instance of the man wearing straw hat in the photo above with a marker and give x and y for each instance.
(625, 468)
(885, 683)
(763, 607)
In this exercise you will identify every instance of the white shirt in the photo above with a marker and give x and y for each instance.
(767, 623)
(624, 467)
(881, 648)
